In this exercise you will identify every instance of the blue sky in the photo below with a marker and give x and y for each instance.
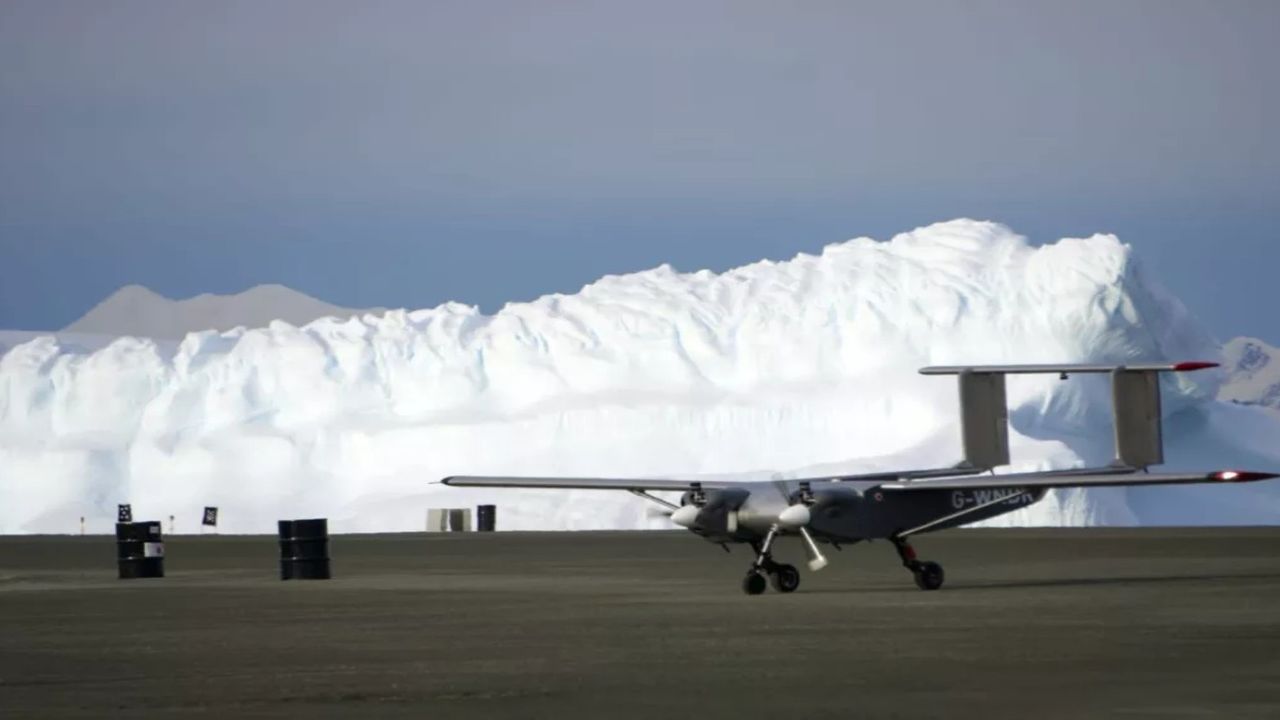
(404, 154)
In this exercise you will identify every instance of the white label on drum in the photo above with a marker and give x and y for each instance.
(153, 549)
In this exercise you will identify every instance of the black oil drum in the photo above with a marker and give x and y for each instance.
(139, 550)
(486, 517)
(304, 549)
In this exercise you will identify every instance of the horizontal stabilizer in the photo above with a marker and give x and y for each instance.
(1100, 477)
(1067, 369)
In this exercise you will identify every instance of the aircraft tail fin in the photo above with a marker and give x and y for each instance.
(1135, 403)
(1135, 398)
(984, 420)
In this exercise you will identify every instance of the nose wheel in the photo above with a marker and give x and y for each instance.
(928, 575)
(784, 578)
(764, 571)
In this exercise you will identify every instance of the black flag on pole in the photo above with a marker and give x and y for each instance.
(124, 513)
(210, 517)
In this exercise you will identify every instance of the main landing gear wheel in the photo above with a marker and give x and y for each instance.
(785, 578)
(929, 575)
(754, 583)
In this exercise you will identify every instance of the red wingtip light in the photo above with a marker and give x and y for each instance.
(1193, 365)
(1242, 476)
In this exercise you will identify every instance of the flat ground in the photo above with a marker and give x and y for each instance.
(1045, 624)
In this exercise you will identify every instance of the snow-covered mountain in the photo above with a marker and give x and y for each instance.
(137, 311)
(772, 368)
(1253, 373)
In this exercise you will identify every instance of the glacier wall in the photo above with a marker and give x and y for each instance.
(772, 369)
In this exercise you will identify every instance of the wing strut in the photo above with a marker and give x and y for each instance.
(645, 494)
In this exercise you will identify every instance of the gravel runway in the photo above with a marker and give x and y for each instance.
(1132, 623)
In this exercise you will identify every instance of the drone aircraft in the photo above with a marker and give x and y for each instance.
(896, 505)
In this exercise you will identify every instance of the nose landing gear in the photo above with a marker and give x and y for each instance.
(784, 578)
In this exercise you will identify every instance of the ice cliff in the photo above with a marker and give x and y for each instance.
(775, 368)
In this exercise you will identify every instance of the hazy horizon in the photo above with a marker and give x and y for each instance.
(402, 154)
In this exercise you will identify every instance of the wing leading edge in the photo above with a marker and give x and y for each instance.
(659, 484)
(581, 483)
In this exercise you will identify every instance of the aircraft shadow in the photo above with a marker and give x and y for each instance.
(962, 586)
(1104, 581)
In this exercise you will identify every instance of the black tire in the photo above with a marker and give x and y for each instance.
(754, 583)
(785, 578)
(929, 576)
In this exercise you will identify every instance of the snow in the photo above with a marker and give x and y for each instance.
(69, 341)
(1254, 373)
(776, 369)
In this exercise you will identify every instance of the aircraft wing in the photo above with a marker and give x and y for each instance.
(581, 483)
(590, 483)
(1101, 477)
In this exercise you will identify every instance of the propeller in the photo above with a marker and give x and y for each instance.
(713, 513)
(656, 511)
(714, 516)
(685, 516)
